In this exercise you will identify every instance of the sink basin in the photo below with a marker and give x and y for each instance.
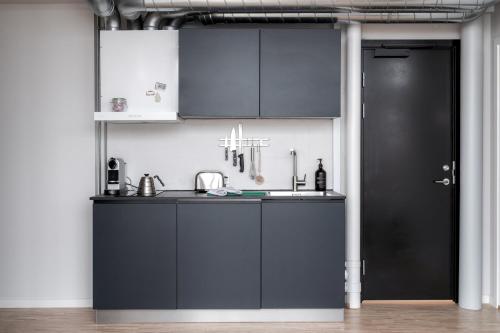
(297, 194)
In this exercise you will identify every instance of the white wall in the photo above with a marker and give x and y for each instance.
(177, 152)
(411, 31)
(47, 159)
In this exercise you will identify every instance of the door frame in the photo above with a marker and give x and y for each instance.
(454, 45)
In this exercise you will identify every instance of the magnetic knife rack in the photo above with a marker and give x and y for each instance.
(247, 142)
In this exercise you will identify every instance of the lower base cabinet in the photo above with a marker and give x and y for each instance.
(134, 256)
(222, 254)
(303, 254)
(218, 255)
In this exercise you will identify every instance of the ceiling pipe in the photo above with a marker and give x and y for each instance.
(153, 20)
(175, 19)
(290, 5)
(135, 24)
(131, 9)
(112, 22)
(343, 10)
(215, 18)
(102, 8)
(177, 22)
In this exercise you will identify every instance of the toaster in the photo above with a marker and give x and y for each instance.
(208, 180)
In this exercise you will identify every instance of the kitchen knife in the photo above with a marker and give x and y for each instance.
(226, 148)
(240, 155)
(233, 146)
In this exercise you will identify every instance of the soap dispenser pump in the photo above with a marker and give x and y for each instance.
(320, 179)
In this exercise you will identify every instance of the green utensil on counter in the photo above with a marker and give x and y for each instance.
(245, 194)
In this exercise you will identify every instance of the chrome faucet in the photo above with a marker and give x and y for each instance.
(296, 182)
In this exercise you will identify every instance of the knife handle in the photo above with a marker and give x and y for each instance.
(242, 163)
(226, 153)
(235, 159)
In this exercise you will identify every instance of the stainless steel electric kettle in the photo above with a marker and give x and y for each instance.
(147, 186)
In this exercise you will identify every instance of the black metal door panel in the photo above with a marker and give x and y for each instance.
(408, 228)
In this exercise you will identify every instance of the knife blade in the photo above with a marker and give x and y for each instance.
(226, 148)
(233, 146)
(242, 160)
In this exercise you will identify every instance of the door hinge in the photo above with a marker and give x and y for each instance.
(453, 174)
(364, 80)
(363, 110)
(363, 267)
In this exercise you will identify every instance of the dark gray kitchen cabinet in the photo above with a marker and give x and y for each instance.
(303, 254)
(134, 256)
(300, 73)
(219, 73)
(218, 255)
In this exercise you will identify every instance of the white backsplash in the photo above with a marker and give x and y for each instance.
(176, 152)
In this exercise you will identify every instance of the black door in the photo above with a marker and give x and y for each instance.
(409, 224)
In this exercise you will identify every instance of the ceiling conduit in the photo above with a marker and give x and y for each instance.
(109, 17)
(112, 22)
(102, 8)
(307, 11)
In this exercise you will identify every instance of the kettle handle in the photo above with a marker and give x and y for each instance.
(159, 179)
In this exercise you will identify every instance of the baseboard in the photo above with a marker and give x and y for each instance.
(219, 316)
(45, 303)
(486, 299)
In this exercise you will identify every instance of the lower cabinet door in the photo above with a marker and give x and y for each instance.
(303, 254)
(134, 256)
(218, 255)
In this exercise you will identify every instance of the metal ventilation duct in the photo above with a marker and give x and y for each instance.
(389, 11)
(102, 8)
(108, 15)
(385, 17)
(112, 22)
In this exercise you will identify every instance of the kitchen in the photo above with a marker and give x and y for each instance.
(293, 91)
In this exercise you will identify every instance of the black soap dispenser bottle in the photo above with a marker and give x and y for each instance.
(320, 180)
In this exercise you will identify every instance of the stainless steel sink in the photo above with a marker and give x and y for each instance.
(297, 194)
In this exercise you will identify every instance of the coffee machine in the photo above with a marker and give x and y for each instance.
(116, 177)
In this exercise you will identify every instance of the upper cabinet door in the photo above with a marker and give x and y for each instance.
(219, 73)
(300, 73)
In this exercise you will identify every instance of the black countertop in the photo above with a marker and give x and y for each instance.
(169, 196)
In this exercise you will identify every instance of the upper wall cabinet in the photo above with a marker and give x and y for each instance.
(143, 67)
(300, 73)
(267, 73)
(219, 73)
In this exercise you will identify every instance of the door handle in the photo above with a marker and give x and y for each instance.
(445, 182)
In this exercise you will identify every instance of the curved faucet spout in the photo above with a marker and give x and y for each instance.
(296, 182)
